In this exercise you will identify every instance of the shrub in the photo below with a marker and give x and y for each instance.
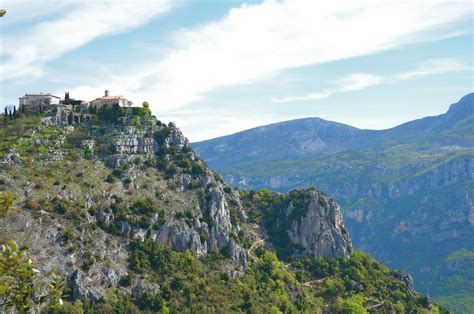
(110, 179)
(197, 169)
(144, 207)
(88, 261)
(117, 172)
(162, 134)
(68, 234)
(60, 206)
(171, 171)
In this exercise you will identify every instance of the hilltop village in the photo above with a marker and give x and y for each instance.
(70, 111)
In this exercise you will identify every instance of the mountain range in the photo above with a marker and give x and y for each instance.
(407, 193)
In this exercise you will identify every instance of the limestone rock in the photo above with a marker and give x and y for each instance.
(92, 285)
(407, 280)
(320, 232)
(143, 287)
(180, 237)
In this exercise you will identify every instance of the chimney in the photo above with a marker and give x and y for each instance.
(107, 93)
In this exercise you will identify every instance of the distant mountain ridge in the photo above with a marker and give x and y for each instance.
(291, 139)
(313, 137)
(407, 193)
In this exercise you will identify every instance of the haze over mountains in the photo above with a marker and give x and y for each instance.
(407, 192)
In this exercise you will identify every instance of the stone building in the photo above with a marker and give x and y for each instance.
(109, 101)
(38, 102)
(69, 110)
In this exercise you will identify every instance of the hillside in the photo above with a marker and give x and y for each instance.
(132, 221)
(406, 193)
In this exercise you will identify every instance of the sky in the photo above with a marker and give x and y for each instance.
(217, 67)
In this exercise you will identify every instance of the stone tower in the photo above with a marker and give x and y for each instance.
(107, 93)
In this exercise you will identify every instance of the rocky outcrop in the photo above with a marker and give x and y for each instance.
(135, 144)
(180, 237)
(219, 217)
(320, 232)
(407, 280)
(92, 285)
(142, 287)
(176, 139)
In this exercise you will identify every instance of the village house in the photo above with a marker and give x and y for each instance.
(108, 101)
(38, 102)
(70, 110)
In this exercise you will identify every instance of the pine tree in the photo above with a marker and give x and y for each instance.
(15, 113)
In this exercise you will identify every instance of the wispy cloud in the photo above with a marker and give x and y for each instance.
(25, 53)
(254, 40)
(360, 81)
(348, 83)
(435, 66)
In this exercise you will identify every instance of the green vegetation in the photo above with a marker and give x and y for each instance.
(268, 285)
(13, 130)
(113, 114)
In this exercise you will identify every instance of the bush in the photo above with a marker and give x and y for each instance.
(197, 169)
(110, 179)
(88, 261)
(118, 172)
(60, 206)
(68, 234)
(162, 134)
(144, 207)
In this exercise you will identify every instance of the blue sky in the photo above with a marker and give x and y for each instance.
(217, 67)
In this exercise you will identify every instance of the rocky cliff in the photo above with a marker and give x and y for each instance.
(320, 232)
(85, 200)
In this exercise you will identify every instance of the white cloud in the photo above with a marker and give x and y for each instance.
(254, 40)
(348, 83)
(360, 81)
(25, 53)
(435, 66)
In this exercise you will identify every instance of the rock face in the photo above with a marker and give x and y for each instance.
(321, 231)
(135, 144)
(179, 236)
(407, 280)
(92, 285)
